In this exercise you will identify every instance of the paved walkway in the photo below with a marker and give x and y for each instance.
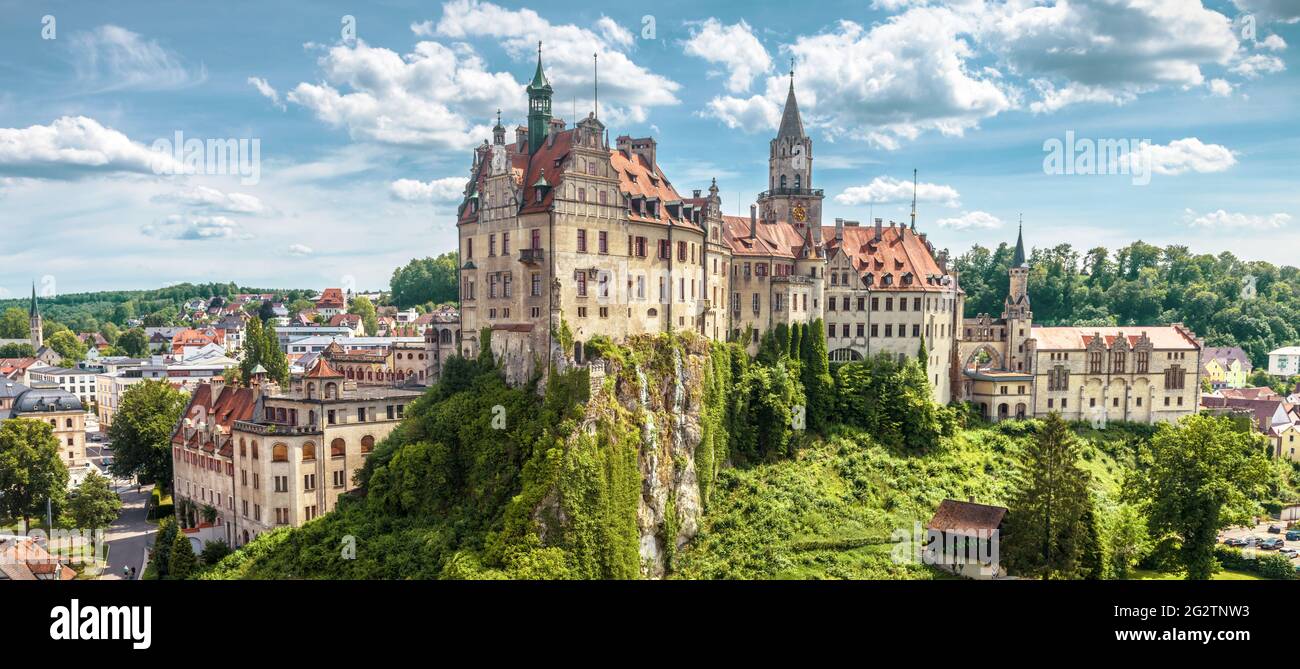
(129, 535)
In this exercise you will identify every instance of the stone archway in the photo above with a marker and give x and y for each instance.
(985, 356)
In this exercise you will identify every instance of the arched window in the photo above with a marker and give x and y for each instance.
(338, 448)
(308, 451)
(243, 449)
(446, 336)
(331, 390)
(798, 181)
(254, 445)
(783, 181)
(367, 444)
(279, 453)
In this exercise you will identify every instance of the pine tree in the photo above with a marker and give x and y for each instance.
(923, 357)
(1092, 560)
(796, 337)
(252, 350)
(817, 383)
(1045, 524)
(182, 561)
(273, 358)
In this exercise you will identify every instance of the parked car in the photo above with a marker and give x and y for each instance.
(1293, 535)
(1271, 544)
(1290, 552)
(1274, 529)
(1235, 542)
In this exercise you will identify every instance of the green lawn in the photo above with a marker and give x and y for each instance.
(1225, 575)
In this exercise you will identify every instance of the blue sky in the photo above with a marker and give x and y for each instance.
(365, 137)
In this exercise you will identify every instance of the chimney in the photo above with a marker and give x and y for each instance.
(880, 222)
(839, 230)
(521, 137)
(753, 221)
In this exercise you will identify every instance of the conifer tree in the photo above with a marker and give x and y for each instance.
(1045, 527)
(182, 560)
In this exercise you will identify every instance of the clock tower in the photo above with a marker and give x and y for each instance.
(790, 196)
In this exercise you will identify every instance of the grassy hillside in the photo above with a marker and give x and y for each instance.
(830, 511)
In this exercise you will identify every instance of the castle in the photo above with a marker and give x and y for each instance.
(564, 237)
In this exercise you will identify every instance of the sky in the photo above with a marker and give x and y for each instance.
(357, 120)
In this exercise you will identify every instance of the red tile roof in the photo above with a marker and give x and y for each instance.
(955, 516)
(1078, 338)
(901, 255)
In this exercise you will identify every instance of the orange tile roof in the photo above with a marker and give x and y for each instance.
(1078, 338)
(322, 370)
(899, 253)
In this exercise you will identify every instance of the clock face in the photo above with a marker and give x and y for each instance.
(800, 213)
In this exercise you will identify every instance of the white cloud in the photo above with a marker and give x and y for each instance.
(72, 146)
(268, 91)
(749, 114)
(447, 189)
(1220, 88)
(1180, 156)
(1232, 220)
(211, 199)
(885, 83)
(734, 47)
(300, 250)
(886, 190)
(113, 58)
(971, 220)
(1272, 42)
(1105, 50)
(627, 90)
(1052, 98)
(1286, 11)
(1257, 65)
(195, 228)
(427, 98)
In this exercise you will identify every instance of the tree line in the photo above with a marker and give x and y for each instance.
(1223, 299)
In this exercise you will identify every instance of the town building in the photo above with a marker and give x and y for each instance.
(1225, 366)
(263, 458)
(331, 303)
(1284, 362)
(62, 410)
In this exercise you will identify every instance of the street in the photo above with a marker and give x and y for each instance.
(129, 535)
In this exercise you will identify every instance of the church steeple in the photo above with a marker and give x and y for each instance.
(539, 106)
(35, 323)
(791, 122)
(1018, 259)
(498, 131)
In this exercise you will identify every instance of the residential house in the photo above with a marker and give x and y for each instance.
(1284, 362)
(1225, 366)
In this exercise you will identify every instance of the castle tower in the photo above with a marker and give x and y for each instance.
(498, 131)
(35, 323)
(790, 196)
(539, 106)
(1015, 310)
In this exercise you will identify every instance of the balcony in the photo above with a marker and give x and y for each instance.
(274, 428)
(530, 256)
(808, 192)
(792, 278)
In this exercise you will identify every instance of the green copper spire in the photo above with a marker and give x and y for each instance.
(35, 310)
(539, 106)
(1018, 260)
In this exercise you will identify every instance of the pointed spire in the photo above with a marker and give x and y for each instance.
(791, 122)
(35, 311)
(539, 82)
(1018, 260)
